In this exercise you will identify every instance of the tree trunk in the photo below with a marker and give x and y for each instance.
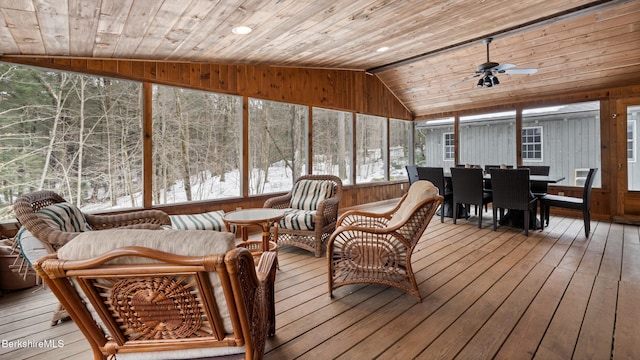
(60, 100)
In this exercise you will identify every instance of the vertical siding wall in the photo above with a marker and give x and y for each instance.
(490, 143)
(577, 139)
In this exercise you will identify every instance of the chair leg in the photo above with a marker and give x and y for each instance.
(479, 217)
(546, 214)
(495, 220)
(455, 212)
(527, 213)
(442, 212)
(587, 222)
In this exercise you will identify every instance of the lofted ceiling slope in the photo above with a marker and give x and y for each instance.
(576, 45)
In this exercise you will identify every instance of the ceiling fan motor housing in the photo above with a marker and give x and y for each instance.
(487, 66)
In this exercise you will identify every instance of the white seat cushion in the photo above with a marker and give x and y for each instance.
(31, 248)
(181, 242)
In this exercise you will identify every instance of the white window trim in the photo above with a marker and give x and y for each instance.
(444, 146)
(633, 158)
(541, 159)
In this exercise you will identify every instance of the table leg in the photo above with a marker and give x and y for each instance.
(265, 235)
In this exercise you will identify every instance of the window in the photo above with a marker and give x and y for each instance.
(532, 143)
(333, 143)
(633, 168)
(399, 146)
(78, 135)
(277, 145)
(631, 140)
(449, 146)
(431, 138)
(196, 145)
(370, 148)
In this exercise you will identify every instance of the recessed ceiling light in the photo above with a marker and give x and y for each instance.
(241, 30)
(383, 49)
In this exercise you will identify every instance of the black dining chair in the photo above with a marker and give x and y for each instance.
(468, 189)
(487, 182)
(511, 192)
(538, 188)
(436, 176)
(568, 202)
(412, 173)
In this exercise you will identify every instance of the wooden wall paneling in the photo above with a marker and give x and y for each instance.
(205, 76)
(248, 81)
(234, 77)
(173, 71)
(335, 89)
(110, 66)
(214, 76)
(150, 71)
(305, 90)
(223, 78)
(124, 68)
(161, 72)
(137, 70)
(95, 65)
(184, 74)
(195, 75)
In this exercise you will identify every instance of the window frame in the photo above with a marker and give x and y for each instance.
(448, 146)
(632, 141)
(526, 143)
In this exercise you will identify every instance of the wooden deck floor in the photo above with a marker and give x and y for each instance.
(486, 295)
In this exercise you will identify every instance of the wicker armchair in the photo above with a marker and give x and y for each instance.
(311, 212)
(377, 247)
(174, 294)
(26, 206)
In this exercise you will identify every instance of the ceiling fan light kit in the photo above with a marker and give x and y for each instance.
(487, 70)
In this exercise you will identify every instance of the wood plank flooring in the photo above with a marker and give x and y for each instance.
(486, 295)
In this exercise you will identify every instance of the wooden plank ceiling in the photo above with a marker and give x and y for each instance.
(576, 44)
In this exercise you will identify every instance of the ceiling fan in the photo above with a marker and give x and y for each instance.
(488, 70)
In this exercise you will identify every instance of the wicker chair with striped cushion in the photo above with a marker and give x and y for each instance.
(311, 211)
(49, 222)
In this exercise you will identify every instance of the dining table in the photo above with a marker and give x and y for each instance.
(508, 219)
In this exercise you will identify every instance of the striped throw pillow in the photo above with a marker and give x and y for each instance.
(65, 217)
(307, 194)
(205, 221)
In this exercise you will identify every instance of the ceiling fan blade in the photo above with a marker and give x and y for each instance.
(518, 71)
(502, 67)
(465, 79)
